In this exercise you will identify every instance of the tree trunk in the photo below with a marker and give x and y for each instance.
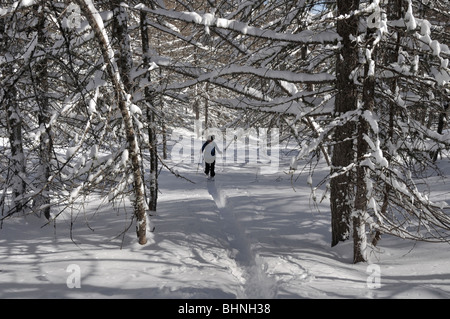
(359, 231)
(151, 119)
(394, 12)
(120, 33)
(361, 197)
(14, 124)
(206, 107)
(341, 186)
(440, 128)
(95, 22)
(42, 202)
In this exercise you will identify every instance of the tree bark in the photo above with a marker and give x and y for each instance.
(394, 12)
(42, 202)
(151, 119)
(140, 213)
(207, 108)
(440, 128)
(14, 125)
(361, 197)
(341, 186)
(120, 32)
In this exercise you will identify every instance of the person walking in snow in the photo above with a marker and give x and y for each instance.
(209, 149)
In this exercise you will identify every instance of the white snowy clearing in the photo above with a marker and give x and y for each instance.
(245, 235)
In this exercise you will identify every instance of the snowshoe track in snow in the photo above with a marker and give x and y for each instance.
(257, 283)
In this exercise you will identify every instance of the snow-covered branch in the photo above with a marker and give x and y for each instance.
(209, 20)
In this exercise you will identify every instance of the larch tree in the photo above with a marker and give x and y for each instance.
(346, 100)
(40, 84)
(150, 111)
(122, 97)
(388, 141)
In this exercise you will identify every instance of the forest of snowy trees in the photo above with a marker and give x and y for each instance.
(90, 89)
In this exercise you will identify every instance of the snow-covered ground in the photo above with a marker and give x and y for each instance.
(243, 236)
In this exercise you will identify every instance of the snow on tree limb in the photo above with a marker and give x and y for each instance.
(306, 37)
(96, 23)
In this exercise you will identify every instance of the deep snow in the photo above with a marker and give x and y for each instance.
(243, 236)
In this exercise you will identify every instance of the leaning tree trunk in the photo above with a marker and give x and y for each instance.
(120, 34)
(96, 23)
(341, 186)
